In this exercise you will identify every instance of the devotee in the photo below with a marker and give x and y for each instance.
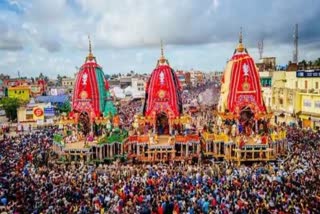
(31, 183)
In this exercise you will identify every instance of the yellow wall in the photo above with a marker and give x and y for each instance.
(291, 96)
(308, 106)
(308, 102)
(291, 79)
(22, 93)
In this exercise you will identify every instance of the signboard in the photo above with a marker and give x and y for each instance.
(49, 111)
(309, 73)
(38, 113)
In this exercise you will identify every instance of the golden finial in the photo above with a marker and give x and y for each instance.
(90, 55)
(240, 47)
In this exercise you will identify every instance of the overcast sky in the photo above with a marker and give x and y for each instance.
(51, 36)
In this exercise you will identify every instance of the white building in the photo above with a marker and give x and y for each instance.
(68, 83)
(138, 83)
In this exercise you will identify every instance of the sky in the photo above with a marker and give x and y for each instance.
(52, 36)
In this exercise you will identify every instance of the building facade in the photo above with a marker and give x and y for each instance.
(138, 83)
(20, 92)
(307, 105)
(283, 96)
(266, 83)
(68, 84)
(296, 97)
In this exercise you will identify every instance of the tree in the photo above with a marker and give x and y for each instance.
(107, 76)
(10, 106)
(303, 64)
(41, 76)
(59, 78)
(65, 107)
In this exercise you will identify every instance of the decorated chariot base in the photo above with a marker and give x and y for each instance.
(242, 131)
(91, 132)
(147, 144)
(228, 145)
(104, 142)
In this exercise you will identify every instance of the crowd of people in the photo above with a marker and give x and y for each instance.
(192, 94)
(127, 112)
(31, 183)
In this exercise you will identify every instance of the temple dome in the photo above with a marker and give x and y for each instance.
(163, 91)
(241, 83)
(91, 90)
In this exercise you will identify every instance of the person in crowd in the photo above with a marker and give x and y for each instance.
(31, 183)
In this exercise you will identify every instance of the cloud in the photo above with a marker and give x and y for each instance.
(10, 39)
(10, 44)
(126, 34)
(51, 45)
(127, 24)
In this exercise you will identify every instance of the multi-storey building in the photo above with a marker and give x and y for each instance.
(21, 92)
(296, 97)
(68, 83)
(307, 102)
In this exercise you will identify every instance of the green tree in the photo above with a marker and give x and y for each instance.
(65, 107)
(41, 76)
(107, 76)
(59, 78)
(10, 106)
(303, 64)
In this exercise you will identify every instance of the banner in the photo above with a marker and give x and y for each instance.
(49, 111)
(38, 113)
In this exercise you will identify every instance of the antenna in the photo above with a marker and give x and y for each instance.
(260, 48)
(295, 42)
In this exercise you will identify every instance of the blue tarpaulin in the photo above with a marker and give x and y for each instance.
(59, 99)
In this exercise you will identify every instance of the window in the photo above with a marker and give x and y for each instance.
(306, 84)
(281, 101)
(29, 116)
(317, 85)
